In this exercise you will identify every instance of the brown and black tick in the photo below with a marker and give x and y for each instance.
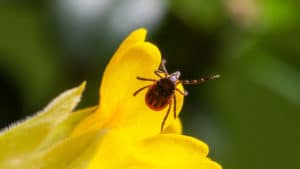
(161, 92)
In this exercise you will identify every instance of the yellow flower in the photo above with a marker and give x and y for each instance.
(121, 132)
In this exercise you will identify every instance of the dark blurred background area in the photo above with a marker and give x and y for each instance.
(249, 117)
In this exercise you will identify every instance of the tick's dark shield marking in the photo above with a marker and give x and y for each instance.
(161, 93)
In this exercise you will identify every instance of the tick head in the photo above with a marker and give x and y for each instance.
(174, 76)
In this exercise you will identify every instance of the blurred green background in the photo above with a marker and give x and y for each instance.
(250, 117)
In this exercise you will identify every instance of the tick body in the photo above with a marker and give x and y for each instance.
(161, 93)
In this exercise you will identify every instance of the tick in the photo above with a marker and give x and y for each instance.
(161, 92)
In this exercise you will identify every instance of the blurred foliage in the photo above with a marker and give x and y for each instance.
(249, 117)
(28, 59)
(199, 13)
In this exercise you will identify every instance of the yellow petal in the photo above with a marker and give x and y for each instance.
(119, 80)
(175, 127)
(114, 151)
(69, 153)
(118, 107)
(27, 136)
(175, 151)
(136, 36)
(118, 150)
(63, 129)
(172, 145)
(126, 110)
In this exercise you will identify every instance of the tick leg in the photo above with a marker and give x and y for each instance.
(199, 81)
(174, 107)
(145, 79)
(157, 72)
(140, 89)
(185, 93)
(163, 66)
(165, 118)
